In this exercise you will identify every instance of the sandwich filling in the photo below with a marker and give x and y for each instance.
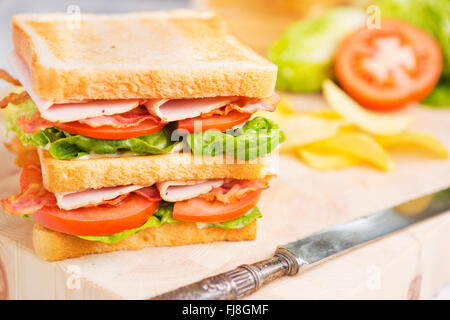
(112, 214)
(207, 126)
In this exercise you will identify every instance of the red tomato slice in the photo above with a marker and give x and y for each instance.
(108, 132)
(201, 210)
(101, 220)
(218, 122)
(385, 69)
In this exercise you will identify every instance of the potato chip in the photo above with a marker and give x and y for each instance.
(416, 140)
(285, 107)
(357, 144)
(375, 123)
(328, 114)
(325, 160)
(302, 129)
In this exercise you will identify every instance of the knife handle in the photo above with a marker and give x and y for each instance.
(236, 283)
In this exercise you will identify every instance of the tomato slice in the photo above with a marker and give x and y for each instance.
(108, 132)
(101, 220)
(201, 210)
(388, 68)
(218, 122)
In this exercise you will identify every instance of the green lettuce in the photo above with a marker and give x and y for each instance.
(27, 109)
(74, 146)
(161, 216)
(304, 53)
(239, 222)
(440, 96)
(63, 145)
(164, 215)
(257, 137)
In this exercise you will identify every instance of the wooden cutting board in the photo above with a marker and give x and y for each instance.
(414, 263)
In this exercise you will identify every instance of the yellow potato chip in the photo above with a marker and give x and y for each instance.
(328, 114)
(416, 140)
(301, 129)
(326, 161)
(285, 107)
(375, 123)
(357, 144)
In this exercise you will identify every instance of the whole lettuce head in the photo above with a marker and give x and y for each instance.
(304, 53)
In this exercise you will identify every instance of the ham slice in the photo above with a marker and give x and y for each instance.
(128, 119)
(73, 200)
(173, 191)
(179, 109)
(66, 112)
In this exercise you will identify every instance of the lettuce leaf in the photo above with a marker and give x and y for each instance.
(239, 222)
(74, 146)
(27, 108)
(164, 215)
(63, 145)
(257, 137)
(304, 53)
(161, 216)
(440, 96)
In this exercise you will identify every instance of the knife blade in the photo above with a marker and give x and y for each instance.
(290, 258)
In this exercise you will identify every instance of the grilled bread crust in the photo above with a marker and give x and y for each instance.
(165, 54)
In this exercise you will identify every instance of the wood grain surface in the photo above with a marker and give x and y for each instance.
(410, 264)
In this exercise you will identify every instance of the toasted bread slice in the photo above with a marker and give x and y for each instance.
(167, 54)
(53, 245)
(76, 175)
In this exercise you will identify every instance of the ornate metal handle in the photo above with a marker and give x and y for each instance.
(236, 283)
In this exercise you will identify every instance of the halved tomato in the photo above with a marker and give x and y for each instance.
(101, 220)
(218, 122)
(108, 132)
(387, 68)
(201, 210)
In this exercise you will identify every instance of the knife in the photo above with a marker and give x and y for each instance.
(290, 258)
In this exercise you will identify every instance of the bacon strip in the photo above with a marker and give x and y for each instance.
(234, 190)
(14, 98)
(27, 158)
(15, 145)
(33, 195)
(34, 124)
(151, 193)
(127, 119)
(246, 105)
(4, 75)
